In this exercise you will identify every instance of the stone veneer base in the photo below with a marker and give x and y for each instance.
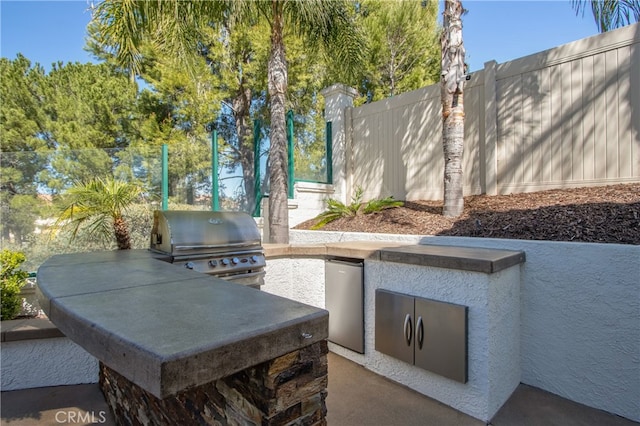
(290, 389)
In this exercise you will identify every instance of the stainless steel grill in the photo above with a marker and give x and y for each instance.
(224, 244)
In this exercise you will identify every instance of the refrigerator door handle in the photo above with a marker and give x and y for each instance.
(408, 332)
(419, 332)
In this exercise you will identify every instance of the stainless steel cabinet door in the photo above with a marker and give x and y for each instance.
(394, 325)
(441, 338)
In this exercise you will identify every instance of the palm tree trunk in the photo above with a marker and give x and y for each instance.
(121, 231)
(452, 90)
(277, 76)
(241, 105)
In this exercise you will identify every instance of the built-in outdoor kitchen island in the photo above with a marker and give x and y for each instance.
(176, 345)
(180, 347)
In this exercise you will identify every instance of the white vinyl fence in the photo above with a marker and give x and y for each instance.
(565, 117)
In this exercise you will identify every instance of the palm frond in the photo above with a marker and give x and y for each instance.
(121, 30)
(70, 217)
(378, 205)
(329, 26)
(173, 25)
(356, 201)
(100, 228)
(95, 205)
(610, 14)
(325, 218)
(337, 210)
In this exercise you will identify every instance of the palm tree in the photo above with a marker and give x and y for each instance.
(100, 204)
(610, 14)
(452, 94)
(174, 25)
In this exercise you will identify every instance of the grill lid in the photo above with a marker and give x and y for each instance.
(183, 232)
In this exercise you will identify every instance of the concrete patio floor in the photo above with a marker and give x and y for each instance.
(356, 397)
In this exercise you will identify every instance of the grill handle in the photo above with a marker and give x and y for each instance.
(214, 246)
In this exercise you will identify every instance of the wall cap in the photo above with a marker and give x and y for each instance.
(28, 329)
(339, 89)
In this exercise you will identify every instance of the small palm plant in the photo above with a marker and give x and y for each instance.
(336, 209)
(100, 204)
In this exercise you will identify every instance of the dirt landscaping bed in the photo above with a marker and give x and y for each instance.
(603, 214)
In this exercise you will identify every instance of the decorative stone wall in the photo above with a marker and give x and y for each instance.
(290, 389)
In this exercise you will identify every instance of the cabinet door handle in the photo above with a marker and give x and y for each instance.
(408, 333)
(419, 332)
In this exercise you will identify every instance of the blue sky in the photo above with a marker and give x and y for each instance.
(49, 31)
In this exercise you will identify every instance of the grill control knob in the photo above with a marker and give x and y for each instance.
(189, 265)
(213, 263)
(254, 259)
(225, 262)
(235, 260)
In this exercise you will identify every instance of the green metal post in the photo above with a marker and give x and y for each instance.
(290, 151)
(215, 185)
(329, 142)
(256, 168)
(165, 177)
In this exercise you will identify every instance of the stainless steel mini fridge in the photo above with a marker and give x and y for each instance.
(344, 299)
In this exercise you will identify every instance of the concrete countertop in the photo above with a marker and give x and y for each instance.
(351, 249)
(451, 257)
(167, 328)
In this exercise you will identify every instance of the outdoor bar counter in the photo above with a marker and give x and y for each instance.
(175, 344)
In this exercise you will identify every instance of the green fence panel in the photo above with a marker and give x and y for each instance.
(290, 143)
(165, 177)
(256, 168)
(329, 148)
(215, 183)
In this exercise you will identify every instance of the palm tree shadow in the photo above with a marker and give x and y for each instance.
(605, 222)
(431, 207)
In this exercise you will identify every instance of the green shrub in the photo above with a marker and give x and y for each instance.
(13, 278)
(336, 209)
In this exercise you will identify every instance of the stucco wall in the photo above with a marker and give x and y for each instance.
(579, 315)
(493, 336)
(309, 201)
(301, 280)
(38, 363)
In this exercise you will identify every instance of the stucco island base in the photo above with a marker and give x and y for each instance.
(487, 281)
